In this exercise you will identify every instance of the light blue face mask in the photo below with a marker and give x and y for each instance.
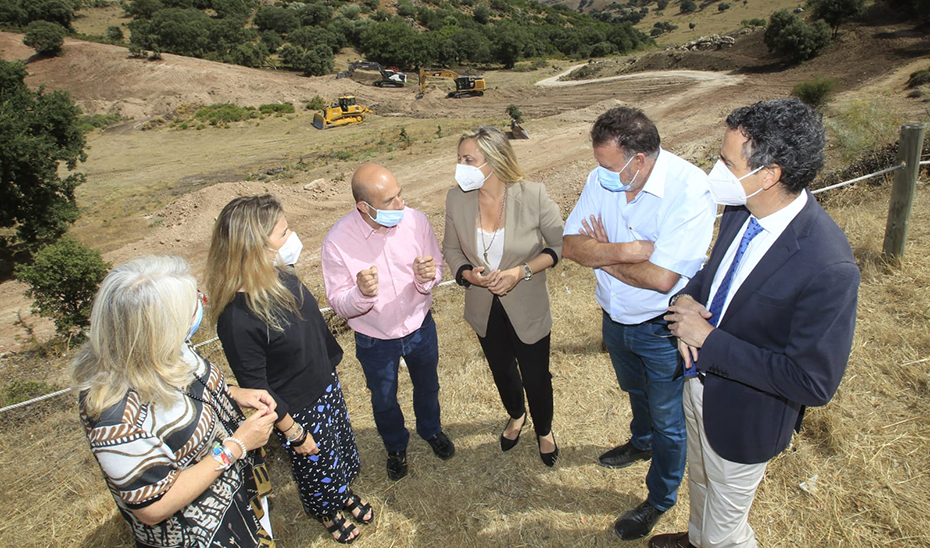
(386, 217)
(610, 180)
(198, 317)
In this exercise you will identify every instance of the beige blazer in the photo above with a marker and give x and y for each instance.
(533, 223)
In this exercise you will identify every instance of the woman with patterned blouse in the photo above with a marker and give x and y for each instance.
(166, 429)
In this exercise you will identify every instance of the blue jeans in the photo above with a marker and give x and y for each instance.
(380, 359)
(645, 358)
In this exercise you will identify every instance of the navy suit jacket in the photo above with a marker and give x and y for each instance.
(785, 338)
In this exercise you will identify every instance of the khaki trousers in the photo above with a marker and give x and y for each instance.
(721, 491)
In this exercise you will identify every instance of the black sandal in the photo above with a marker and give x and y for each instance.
(338, 524)
(353, 503)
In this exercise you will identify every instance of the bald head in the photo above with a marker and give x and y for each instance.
(369, 181)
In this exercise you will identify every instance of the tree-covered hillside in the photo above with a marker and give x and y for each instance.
(304, 35)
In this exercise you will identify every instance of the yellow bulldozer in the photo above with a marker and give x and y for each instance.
(465, 86)
(341, 113)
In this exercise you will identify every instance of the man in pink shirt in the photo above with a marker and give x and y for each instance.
(379, 264)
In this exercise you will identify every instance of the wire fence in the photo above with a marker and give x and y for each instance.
(450, 282)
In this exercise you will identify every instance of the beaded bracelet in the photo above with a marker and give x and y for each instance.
(223, 456)
(300, 441)
(296, 435)
(238, 442)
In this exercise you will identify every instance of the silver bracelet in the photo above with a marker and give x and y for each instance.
(297, 434)
(238, 442)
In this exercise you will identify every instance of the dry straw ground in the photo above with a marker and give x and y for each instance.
(868, 449)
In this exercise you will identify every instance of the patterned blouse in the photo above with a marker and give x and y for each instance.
(142, 448)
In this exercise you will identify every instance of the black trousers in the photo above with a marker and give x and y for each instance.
(517, 366)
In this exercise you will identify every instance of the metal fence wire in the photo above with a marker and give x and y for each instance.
(450, 282)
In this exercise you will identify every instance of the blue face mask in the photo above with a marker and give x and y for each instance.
(198, 317)
(386, 217)
(610, 180)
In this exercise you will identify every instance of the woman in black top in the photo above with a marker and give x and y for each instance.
(275, 338)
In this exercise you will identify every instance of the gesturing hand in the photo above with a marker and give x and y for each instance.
(424, 269)
(367, 281)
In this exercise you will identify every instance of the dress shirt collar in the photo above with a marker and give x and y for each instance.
(365, 228)
(776, 223)
(655, 184)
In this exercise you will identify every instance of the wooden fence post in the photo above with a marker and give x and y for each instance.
(902, 192)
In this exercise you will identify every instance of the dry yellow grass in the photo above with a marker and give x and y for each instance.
(868, 448)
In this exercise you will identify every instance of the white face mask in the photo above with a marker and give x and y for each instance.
(290, 251)
(726, 188)
(470, 177)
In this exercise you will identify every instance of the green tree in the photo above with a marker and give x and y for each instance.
(63, 279)
(790, 37)
(115, 34)
(316, 61)
(482, 14)
(688, 6)
(143, 9)
(280, 20)
(12, 12)
(835, 12)
(53, 11)
(38, 132)
(46, 38)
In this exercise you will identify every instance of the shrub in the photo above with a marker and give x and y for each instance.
(723, 6)
(19, 391)
(272, 40)
(44, 37)
(62, 280)
(688, 6)
(790, 37)
(115, 34)
(814, 92)
(919, 78)
(754, 22)
(276, 108)
(481, 14)
(317, 103)
(224, 113)
(863, 126)
(514, 112)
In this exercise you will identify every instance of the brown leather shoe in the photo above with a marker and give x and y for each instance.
(671, 540)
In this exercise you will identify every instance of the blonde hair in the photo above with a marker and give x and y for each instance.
(140, 318)
(238, 259)
(497, 151)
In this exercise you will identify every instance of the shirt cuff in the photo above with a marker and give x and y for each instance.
(458, 275)
(555, 256)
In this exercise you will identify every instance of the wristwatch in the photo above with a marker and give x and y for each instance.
(529, 273)
(674, 299)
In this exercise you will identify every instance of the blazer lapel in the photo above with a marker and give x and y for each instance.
(784, 247)
(470, 232)
(735, 221)
(514, 193)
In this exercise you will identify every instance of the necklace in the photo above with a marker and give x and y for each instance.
(225, 410)
(496, 226)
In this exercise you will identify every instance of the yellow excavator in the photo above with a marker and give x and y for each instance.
(341, 113)
(465, 86)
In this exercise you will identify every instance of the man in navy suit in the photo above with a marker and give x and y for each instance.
(766, 327)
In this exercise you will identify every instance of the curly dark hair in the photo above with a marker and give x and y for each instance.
(629, 128)
(783, 132)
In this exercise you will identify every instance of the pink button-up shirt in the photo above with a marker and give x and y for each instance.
(402, 302)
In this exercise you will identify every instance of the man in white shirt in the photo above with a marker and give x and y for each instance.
(765, 328)
(643, 222)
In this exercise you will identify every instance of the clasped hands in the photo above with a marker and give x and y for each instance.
(498, 282)
(688, 321)
(424, 271)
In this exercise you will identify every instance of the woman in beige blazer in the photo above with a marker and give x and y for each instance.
(501, 234)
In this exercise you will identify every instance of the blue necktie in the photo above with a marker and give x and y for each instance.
(716, 306)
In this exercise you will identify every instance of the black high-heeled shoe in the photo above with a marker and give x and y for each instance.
(508, 444)
(548, 458)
